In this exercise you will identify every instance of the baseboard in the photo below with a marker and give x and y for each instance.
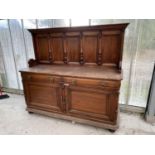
(129, 108)
(14, 91)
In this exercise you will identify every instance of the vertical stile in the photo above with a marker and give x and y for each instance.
(99, 54)
(81, 49)
(65, 50)
(50, 48)
(121, 53)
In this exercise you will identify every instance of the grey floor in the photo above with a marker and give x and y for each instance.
(15, 120)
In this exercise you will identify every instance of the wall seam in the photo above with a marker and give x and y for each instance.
(26, 51)
(13, 52)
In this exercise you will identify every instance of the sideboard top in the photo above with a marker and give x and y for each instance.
(93, 72)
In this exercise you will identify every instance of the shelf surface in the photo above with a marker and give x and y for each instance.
(96, 72)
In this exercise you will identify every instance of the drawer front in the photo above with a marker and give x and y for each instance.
(41, 78)
(92, 83)
(43, 96)
(72, 81)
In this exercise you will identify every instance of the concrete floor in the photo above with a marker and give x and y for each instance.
(15, 120)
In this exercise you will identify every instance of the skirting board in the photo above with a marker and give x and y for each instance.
(74, 119)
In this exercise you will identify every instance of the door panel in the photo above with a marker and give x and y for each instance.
(73, 48)
(111, 44)
(57, 48)
(90, 48)
(43, 96)
(92, 104)
(84, 101)
(42, 46)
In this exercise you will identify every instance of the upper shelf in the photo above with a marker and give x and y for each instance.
(89, 44)
(120, 26)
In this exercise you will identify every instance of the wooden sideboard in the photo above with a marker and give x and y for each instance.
(76, 74)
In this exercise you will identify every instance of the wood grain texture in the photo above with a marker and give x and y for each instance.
(42, 48)
(98, 72)
(76, 74)
(90, 49)
(94, 44)
(73, 48)
(111, 48)
(87, 98)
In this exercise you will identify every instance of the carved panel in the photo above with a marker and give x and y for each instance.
(92, 44)
(88, 103)
(42, 48)
(43, 96)
(90, 48)
(73, 48)
(111, 47)
(57, 48)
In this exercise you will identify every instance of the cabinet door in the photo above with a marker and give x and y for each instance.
(43, 95)
(92, 104)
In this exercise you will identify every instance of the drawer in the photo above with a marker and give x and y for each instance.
(92, 83)
(71, 81)
(41, 78)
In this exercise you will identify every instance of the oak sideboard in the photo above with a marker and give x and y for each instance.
(76, 74)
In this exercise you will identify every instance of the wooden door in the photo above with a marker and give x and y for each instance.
(92, 104)
(45, 96)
